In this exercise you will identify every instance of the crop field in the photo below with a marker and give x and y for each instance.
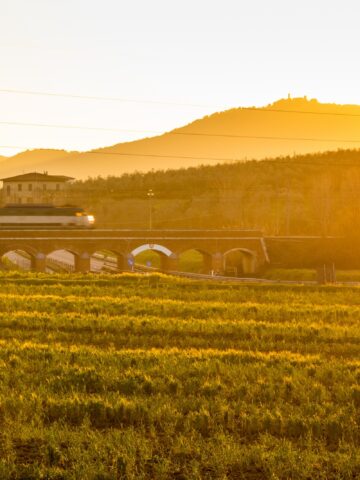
(147, 377)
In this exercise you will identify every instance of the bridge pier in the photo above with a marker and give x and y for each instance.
(38, 262)
(249, 264)
(326, 273)
(125, 263)
(82, 262)
(170, 263)
(217, 264)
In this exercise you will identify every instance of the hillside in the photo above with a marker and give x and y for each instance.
(282, 119)
(25, 161)
(311, 194)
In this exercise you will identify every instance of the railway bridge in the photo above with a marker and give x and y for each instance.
(216, 246)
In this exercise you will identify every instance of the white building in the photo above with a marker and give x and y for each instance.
(33, 188)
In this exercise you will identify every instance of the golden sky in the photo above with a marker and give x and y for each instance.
(194, 57)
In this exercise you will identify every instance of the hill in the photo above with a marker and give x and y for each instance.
(310, 194)
(294, 125)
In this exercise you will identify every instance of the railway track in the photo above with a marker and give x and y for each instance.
(62, 262)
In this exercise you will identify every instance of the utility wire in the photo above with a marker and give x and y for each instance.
(76, 127)
(196, 134)
(156, 102)
(279, 161)
(103, 98)
(152, 155)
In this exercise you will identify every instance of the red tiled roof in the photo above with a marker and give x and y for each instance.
(37, 177)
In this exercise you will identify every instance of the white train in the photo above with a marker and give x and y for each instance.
(44, 216)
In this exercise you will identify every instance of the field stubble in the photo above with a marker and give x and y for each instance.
(119, 377)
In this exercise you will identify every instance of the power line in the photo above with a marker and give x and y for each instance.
(279, 161)
(153, 155)
(261, 137)
(182, 104)
(104, 98)
(75, 127)
(196, 134)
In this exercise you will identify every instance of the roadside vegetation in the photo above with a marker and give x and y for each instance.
(307, 274)
(149, 377)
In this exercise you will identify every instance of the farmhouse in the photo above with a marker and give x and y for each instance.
(34, 187)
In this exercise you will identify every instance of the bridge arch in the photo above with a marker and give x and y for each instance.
(109, 260)
(61, 260)
(16, 259)
(19, 256)
(152, 246)
(195, 260)
(18, 246)
(240, 261)
(168, 259)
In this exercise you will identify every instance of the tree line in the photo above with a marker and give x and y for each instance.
(310, 194)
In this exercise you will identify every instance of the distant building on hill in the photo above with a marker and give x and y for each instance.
(34, 187)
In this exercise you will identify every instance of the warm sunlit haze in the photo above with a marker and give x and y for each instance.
(193, 57)
(286, 127)
(179, 240)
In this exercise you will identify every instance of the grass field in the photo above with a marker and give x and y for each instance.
(148, 377)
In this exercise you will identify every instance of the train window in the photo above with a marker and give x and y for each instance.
(19, 187)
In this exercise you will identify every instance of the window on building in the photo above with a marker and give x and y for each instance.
(19, 200)
(44, 186)
(57, 186)
(30, 187)
(8, 189)
(19, 187)
(29, 200)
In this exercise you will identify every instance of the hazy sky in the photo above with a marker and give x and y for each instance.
(216, 54)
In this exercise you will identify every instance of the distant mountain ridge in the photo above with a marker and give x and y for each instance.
(285, 127)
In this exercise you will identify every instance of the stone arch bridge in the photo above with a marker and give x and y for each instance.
(214, 245)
